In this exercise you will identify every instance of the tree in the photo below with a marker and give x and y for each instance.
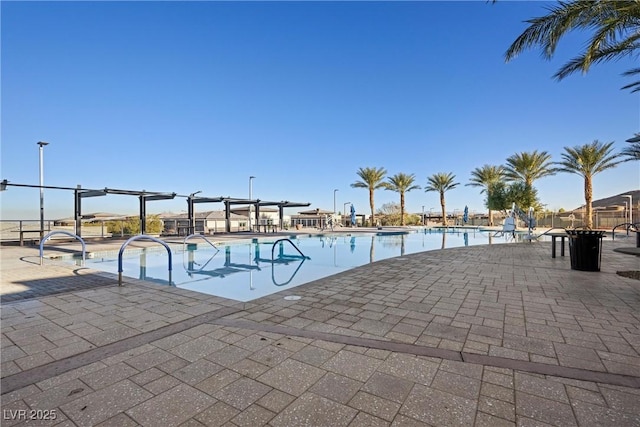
(528, 167)
(588, 160)
(371, 178)
(503, 196)
(631, 153)
(389, 214)
(485, 177)
(614, 27)
(131, 225)
(401, 183)
(441, 182)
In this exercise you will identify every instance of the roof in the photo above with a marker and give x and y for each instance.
(316, 212)
(204, 215)
(262, 209)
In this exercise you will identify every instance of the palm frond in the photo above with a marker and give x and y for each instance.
(615, 28)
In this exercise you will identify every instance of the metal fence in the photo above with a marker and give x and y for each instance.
(29, 230)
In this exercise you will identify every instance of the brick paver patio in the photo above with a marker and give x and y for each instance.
(475, 336)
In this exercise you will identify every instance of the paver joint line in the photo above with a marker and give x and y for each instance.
(22, 379)
(418, 350)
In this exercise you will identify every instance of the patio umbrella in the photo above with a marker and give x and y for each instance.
(465, 217)
(353, 215)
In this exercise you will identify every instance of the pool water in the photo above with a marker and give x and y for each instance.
(246, 271)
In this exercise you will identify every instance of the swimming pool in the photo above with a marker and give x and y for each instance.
(244, 271)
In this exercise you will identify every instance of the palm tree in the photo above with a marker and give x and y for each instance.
(615, 27)
(632, 152)
(441, 182)
(401, 183)
(486, 177)
(371, 178)
(588, 160)
(528, 167)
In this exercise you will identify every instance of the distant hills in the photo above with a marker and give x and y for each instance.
(616, 200)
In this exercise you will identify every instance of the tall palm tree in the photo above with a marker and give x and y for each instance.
(588, 160)
(486, 177)
(528, 167)
(441, 182)
(614, 27)
(371, 178)
(401, 183)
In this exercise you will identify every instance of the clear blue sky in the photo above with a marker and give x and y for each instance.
(187, 96)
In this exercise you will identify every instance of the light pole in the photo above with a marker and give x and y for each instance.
(630, 197)
(42, 144)
(334, 201)
(250, 204)
(422, 214)
(344, 211)
(626, 210)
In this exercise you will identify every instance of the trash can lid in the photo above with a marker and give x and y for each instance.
(594, 233)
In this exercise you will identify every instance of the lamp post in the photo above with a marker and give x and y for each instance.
(630, 197)
(250, 204)
(422, 214)
(334, 201)
(344, 211)
(41, 150)
(626, 211)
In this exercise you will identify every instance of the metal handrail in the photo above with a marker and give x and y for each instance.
(184, 243)
(635, 225)
(45, 238)
(141, 237)
(550, 230)
(273, 273)
(285, 240)
(190, 270)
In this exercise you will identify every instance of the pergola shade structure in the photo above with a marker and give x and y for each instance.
(144, 197)
(228, 201)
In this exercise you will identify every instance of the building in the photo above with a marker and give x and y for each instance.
(207, 222)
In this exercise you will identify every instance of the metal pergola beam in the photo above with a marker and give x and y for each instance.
(145, 196)
(79, 194)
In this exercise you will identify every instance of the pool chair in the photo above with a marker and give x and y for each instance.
(508, 227)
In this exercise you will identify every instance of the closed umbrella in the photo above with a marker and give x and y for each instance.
(465, 217)
(353, 215)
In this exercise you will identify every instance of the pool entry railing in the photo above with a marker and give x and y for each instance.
(184, 243)
(629, 226)
(281, 241)
(273, 273)
(75, 236)
(141, 237)
(550, 232)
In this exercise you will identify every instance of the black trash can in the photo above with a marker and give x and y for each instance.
(585, 249)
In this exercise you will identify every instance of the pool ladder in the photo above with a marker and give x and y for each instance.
(141, 237)
(45, 238)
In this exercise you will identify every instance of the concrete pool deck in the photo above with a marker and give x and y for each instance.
(483, 335)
